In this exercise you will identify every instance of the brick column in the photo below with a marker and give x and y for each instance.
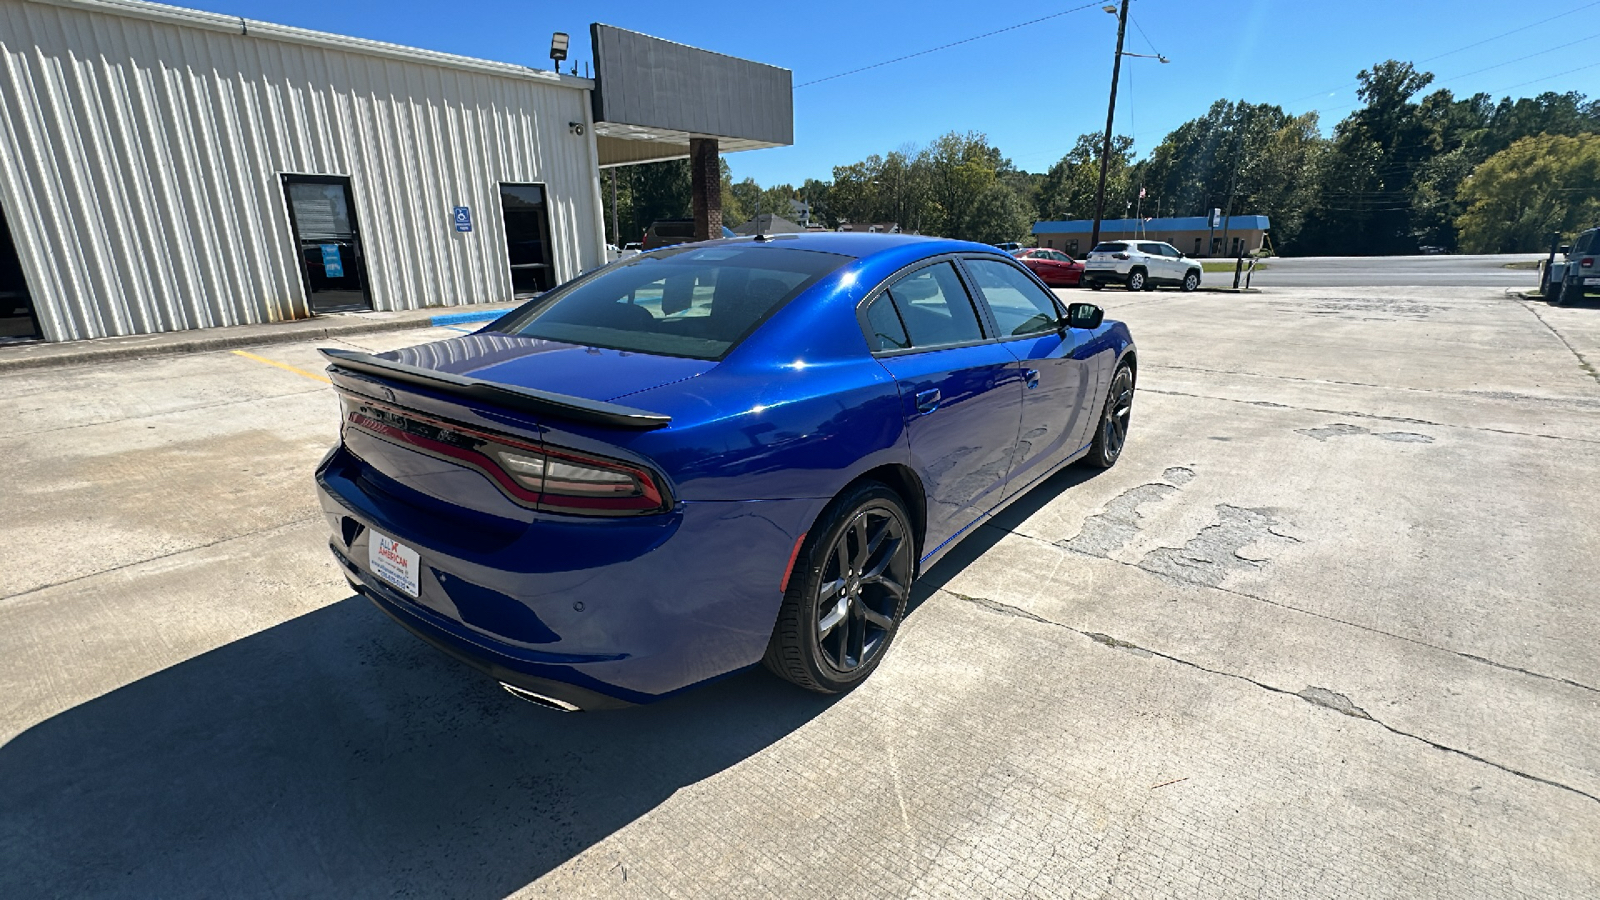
(706, 174)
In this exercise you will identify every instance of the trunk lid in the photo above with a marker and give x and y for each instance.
(593, 373)
(429, 448)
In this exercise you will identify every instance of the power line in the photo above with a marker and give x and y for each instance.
(1152, 46)
(1549, 77)
(977, 37)
(1457, 77)
(1499, 36)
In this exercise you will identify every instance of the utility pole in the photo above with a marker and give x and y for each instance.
(1111, 114)
(1239, 123)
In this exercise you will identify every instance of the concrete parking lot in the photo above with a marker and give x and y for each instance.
(1328, 629)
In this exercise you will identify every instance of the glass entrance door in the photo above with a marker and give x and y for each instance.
(527, 239)
(17, 319)
(332, 265)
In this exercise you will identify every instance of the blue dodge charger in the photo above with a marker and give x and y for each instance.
(709, 456)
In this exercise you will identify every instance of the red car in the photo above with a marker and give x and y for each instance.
(1052, 266)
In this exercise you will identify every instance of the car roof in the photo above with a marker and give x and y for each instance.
(864, 244)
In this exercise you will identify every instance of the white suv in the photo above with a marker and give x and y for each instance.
(1141, 265)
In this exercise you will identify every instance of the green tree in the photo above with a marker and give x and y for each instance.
(1068, 189)
(998, 214)
(1538, 185)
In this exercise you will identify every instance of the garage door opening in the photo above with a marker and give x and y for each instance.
(332, 266)
(527, 239)
(17, 320)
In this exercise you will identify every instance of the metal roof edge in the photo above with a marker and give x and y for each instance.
(209, 21)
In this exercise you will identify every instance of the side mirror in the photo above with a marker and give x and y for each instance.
(1083, 315)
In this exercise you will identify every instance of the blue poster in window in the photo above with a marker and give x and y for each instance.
(463, 218)
(332, 265)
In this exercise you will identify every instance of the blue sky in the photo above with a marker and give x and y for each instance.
(1034, 89)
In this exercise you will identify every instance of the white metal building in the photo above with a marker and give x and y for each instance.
(165, 169)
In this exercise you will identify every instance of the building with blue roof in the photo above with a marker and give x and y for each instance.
(1191, 234)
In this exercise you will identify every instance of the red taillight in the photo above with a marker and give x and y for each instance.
(1588, 262)
(541, 477)
(1119, 256)
(573, 482)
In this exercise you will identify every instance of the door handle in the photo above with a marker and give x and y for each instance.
(927, 401)
(1032, 375)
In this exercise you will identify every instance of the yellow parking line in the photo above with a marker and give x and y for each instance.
(283, 366)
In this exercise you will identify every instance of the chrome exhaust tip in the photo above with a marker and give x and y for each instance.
(540, 699)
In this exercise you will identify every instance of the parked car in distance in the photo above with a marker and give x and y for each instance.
(1579, 271)
(710, 456)
(1053, 267)
(1140, 266)
(667, 232)
(1009, 246)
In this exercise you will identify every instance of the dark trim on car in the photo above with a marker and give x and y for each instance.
(519, 398)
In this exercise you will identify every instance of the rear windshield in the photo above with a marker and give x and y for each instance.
(691, 301)
(1110, 248)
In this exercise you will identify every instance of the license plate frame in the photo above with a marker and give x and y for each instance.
(394, 564)
(1591, 282)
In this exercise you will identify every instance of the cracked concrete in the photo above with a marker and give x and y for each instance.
(1208, 557)
(1341, 429)
(1337, 702)
(1316, 696)
(1354, 667)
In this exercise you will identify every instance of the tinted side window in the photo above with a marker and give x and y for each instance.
(935, 307)
(1019, 306)
(1152, 249)
(884, 328)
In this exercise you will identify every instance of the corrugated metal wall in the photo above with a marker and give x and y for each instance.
(140, 164)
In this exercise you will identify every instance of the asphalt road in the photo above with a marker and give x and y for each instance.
(1392, 271)
(1326, 630)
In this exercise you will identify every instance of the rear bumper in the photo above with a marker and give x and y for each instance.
(594, 612)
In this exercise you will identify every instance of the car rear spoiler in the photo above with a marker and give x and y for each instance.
(524, 399)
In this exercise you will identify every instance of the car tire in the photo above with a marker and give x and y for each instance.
(1191, 282)
(835, 624)
(1095, 286)
(1111, 435)
(1138, 280)
(1571, 292)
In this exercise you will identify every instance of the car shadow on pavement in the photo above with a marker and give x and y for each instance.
(992, 532)
(336, 755)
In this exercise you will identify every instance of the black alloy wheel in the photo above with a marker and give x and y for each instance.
(1112, 434)
(847, 594)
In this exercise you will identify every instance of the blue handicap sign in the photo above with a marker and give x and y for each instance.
(332, 265)
(463, 218)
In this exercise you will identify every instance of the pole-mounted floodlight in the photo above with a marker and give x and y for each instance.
(558, 49)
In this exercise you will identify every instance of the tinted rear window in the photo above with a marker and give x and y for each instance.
(697, 302)
(675, 229)
(1110, 248)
